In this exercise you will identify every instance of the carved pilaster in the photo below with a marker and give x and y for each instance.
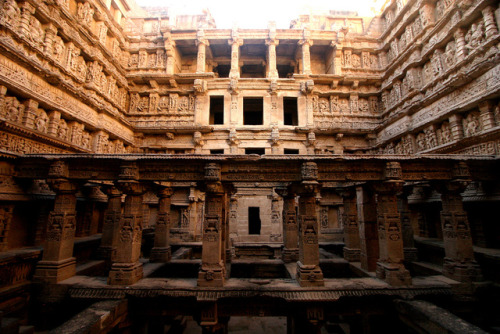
(202, 43)
(53, 126)
(459, 262)
(110, 228)
(490, 26)
(457, 130)
(352, 248)
(212, 272)
(461, 51)
(30, 111)
(50, 33)
(126, 268)
(161, 251)
(308, 271)
(486, 115)
(390, 264)
(58, 262)
(272, 71)
(3, 92)
(24, 25)
(235, 43)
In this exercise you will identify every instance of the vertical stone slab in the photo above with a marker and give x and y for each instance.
(272, 42)
(110, 228)
(459, 262)
(161, 251)
(212, 272)
(368, 232)
(58, 263)
(290, 227)
(126, 268)
(352, 242)
(308, 271)
(390, 265)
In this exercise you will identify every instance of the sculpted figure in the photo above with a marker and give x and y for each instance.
(14, 110)
(421, 141)
(356, 61)
(58, 49)
(445, 136)
(474, 37)
(41, 121)
(62, 131)
(449, 54)
(471, 126)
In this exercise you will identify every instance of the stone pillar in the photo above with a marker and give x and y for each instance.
(5, 220)
(351, 227)
(461, 50)
(126, 268)
(212, 272)
(368, 233)
(486, 115)
(30, 110)
(111, 225)
(306, 43)
(308, 271)
(202, 43)
(235, 43)
(272, 70)
(390, 265)
(161, 251)
(409, 249)
(290, 227)
(58, 262)
(456, 126)
(459, 262)
(490, 27)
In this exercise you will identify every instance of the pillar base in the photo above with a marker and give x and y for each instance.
(393, 274)
(462, 271)
(125, 273)
(211, 277)
(410, 254)
(352, 254)
(55, 271)
(290, 255)
(309, 275)
(160, 254)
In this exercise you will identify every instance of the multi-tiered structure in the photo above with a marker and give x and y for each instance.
(277, 164)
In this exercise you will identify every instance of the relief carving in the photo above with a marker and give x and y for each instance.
(471, 124)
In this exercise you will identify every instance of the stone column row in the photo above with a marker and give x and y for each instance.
(380, 235)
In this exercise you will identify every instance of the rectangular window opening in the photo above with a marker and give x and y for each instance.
(217, 151)
(291, 151)
(253, 111)
(216, 110)
(290, 111)
(222, 70)
(259, 151)
(254, 222)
